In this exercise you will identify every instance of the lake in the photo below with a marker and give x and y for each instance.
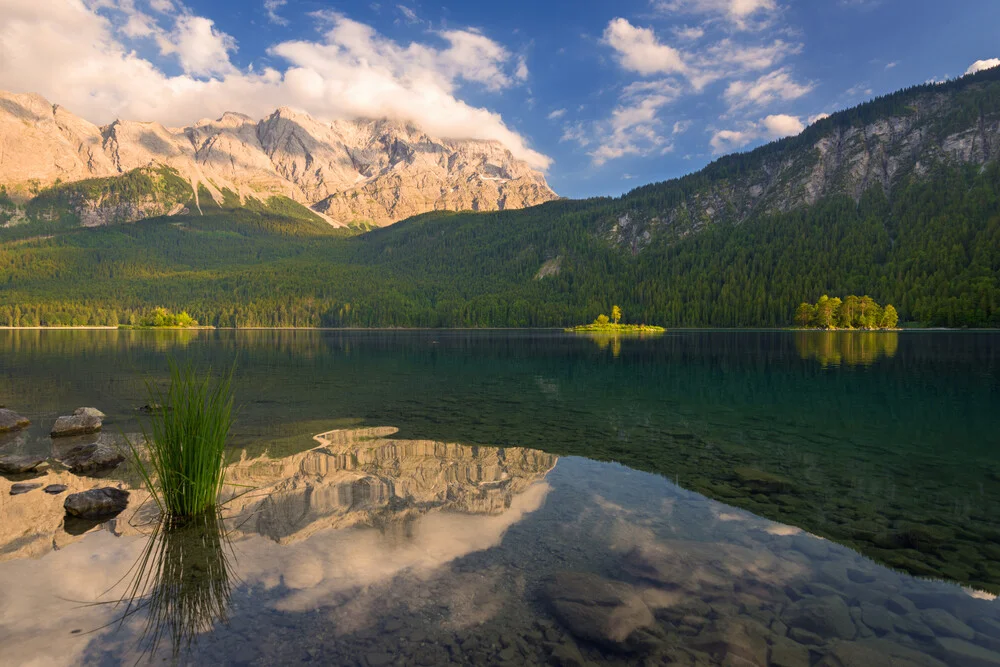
(525, 497)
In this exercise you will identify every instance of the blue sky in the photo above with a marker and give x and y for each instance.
(604, 96)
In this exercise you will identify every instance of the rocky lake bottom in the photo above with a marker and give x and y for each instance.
(370, 545)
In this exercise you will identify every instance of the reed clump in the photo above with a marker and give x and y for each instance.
(186, 440)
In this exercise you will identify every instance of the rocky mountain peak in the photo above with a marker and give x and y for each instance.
(373, 170)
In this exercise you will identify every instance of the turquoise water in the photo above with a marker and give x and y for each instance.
(690, 478)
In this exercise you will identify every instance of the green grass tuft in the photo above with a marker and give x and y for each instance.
(187, 440)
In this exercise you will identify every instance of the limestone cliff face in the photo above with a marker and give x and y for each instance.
(376, 171)
(836, 156)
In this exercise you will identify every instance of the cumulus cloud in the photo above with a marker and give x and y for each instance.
(980, 65)
(639, 50)
(634, 127)
(815, 118)
(81, 56)
(769, 88)
(769, 127)
(201, 49)
(272, 7)
(635, 124)
(740, 14)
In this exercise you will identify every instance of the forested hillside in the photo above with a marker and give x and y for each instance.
(923, 236)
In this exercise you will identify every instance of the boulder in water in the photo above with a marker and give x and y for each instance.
(81, 422)
(18, 464)
(96, 503)
(11, 421)
(91, 458)
(610, 613)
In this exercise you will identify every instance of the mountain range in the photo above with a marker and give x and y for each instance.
(360, 172)
(898, 198)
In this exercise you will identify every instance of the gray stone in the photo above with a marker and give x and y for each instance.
(91, 458)
(22, 487)
(877, 618)
(859, 576)
(11, 421)
(875, 653)
(17, 464)
(961, 652)
(606, 612)
(827, 616)
(76, 424)
(944, 624)
(735, 638)
(567, 655)
(900, 605)
(96, 503)
(988, 626)
(911, 625)
(55, 489)
(805, 637)
(89, 412)
(786, 653)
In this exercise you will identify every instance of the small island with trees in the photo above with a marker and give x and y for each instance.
(604, 324)
(851, 312)
(162, 318)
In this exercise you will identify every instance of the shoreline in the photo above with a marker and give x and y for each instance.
(94, 327)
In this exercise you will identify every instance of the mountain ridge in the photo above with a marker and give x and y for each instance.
(902, 205)
(375, 171)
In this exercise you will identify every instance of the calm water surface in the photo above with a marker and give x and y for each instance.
(522, 497)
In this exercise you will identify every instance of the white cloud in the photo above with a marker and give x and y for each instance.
(681, 126)
(782, 125)
(577, 133)
(409, 15)
(521, 72)
(769, 127)
(201, 50)
(272, 7)
(740, 14)
(769, 88)
(78, 56)
(980, 65)
(634, 127)
(892, 64)
(558, 113)
(815, 118)
(689, 33)
(164, 6)
(638, 49)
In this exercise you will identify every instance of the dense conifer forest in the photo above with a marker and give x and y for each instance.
(929, 245)
(933, 251)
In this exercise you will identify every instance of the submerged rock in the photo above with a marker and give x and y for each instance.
(55, 489)
(11, 421)
(96, 503)
(81, 422)
(827, 616)
(22, 487)
(91, 458)
(610, 613)
(150, 408)
(18, 464)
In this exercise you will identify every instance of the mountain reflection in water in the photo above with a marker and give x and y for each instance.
(306, 528)
(372, 550)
